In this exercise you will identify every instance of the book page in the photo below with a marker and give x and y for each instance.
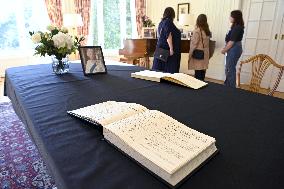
(164, 141)
(186, 80)
(150, 75)
(108, 112)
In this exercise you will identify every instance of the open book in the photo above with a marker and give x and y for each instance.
(178, 78)
(166, 147)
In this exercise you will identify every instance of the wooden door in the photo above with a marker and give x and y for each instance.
(260, 20)
(277, 48)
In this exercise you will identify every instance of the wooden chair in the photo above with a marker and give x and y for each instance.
(260, 63)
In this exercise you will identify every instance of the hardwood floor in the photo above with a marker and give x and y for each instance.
(263, 91)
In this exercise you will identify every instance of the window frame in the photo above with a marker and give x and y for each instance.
(123, 24)
(24, 49)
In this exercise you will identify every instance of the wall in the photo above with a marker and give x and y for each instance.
(20, 59)
(217, 11)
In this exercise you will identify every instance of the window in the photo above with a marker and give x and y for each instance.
(18, 17)
(112, 21)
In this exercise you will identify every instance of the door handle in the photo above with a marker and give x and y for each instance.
(276, 36)
(282, 37)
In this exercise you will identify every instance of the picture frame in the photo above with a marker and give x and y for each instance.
(148, 33)
(92, 60)
(183, 8)
(184, 36)
(190, 33)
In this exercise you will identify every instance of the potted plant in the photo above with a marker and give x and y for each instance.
(148, 30)
(147, 22)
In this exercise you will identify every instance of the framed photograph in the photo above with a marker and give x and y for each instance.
(148, 33)
(183, 8)
(184, 36)
(190, 33)
(92, 60)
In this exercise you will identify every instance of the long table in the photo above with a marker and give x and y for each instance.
(249, 128)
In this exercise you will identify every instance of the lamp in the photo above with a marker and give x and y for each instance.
(72, 20)
(187, 20)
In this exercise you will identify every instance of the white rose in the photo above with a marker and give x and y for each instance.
(64, 30)
(62, 40)
(36, 38)
(59, 40)
(69, 41)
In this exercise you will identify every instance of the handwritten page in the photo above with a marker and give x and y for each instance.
(187, 80)
(161, 139)
(108, 112)
(179, 78)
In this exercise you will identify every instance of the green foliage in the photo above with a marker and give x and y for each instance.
(111, 16)
(9, 33)
(147, 22)
(95, 22)
(112, 24)
(128, 20)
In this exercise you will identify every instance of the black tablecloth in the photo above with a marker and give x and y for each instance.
(249, 128)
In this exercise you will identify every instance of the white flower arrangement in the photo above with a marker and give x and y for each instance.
(56, 41)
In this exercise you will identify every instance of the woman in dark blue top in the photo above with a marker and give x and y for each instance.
(169, 37)
(233, 47)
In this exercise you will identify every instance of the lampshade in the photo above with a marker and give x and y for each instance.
(72, 20)
(186, 19)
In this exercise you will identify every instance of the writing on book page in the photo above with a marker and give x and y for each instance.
(161, 139)
(109, 112)
(188, 80)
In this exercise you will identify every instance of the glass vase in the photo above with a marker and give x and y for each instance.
(60, 67)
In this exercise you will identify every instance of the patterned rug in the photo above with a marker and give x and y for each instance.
(21, 165)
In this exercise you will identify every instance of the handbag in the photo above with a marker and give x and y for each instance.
(197, 53)
(160, 53)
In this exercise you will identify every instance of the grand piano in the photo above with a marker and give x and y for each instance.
(138, 51)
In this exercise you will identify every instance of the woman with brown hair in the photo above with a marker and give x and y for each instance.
(233, 48)
(199, 48)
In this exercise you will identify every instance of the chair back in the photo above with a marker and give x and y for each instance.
(260, 63)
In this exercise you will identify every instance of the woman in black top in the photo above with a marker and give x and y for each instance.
(170, 39)
(233, 47)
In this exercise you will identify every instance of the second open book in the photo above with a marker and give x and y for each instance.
(178, 78)
(166, 147)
